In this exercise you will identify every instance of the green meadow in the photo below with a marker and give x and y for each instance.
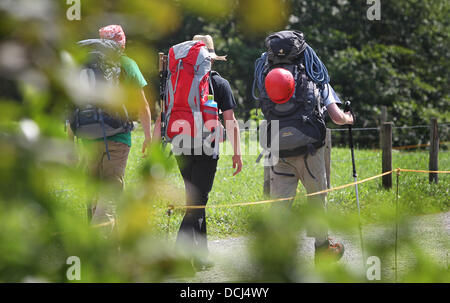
(416, 195)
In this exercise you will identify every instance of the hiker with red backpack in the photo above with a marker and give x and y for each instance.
(194, 97)
(106, 129)
(294, 93)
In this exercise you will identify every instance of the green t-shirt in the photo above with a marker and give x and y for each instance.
(132, 72)
(134, 76)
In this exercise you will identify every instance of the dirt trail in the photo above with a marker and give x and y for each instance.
(431, 232)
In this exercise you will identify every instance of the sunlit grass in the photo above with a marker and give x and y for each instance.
(417, 196)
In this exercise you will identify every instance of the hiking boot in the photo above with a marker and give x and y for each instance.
(202, 264)
(332, 251)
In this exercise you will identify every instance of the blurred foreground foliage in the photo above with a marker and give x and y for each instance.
(401, 62)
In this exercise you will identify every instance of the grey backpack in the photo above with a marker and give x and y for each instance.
(91, 121)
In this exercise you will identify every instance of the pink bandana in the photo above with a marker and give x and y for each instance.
(113, 32)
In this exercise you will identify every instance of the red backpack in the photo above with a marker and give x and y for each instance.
(189, 114)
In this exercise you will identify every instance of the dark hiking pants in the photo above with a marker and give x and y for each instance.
(198, 173)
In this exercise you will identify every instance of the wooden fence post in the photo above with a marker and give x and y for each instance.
(328, 157)
(266, 179)
(386, 152)
(383, 118)
(434, 150)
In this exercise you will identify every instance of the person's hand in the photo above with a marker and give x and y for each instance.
(146, 144)
(237, 164)
(349, 118)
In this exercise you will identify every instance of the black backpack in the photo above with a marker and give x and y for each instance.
(285, 46)
(91, 121)
(301, 122)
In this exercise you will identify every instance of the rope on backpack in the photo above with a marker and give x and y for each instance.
(315, 68)
(258, 76)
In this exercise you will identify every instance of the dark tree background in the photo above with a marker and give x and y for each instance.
(400, 61)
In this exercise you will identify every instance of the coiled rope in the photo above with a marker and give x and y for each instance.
(258, 79)
(315, 69)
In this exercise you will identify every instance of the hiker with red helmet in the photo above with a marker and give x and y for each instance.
(195, 96)
(107, 131)
(294, 93)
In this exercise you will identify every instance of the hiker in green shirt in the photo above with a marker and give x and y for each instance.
(110, 153)
(133, 76)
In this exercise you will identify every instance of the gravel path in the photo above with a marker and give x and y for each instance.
(431, 233)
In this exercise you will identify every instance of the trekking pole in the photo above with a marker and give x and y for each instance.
(348, 108)
(396, 228)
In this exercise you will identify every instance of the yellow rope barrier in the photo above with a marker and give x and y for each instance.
(417, 145)
(398, 170)
(174, 207)
(425, 171)
(104, 224)
(350, 184)
(227, 205)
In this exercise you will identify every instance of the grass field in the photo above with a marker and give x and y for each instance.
(417, 196)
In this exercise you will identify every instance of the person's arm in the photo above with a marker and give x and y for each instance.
(145, 118)
(233, 134)
(157, 129)
(338, 116)
(135, 78)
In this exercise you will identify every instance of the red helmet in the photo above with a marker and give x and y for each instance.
(280, 85)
